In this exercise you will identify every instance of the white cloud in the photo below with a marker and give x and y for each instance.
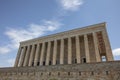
(31, 31)
(4, 50)
(11, 62)
(71, 4)
(116, 52)
(7, 62)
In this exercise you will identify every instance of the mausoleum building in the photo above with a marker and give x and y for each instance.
(78, 54)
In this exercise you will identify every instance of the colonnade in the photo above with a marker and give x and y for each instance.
(70, 50)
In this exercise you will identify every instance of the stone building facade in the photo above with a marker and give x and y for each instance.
(79, 54)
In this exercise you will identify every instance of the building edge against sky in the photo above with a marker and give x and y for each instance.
(83, 53)
(87, 44)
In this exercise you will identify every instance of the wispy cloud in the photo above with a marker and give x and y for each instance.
(34, 30)
(7, 62)
(116, 52)
(4, 50)
(31, 31)
(11, 61)
(71, 5)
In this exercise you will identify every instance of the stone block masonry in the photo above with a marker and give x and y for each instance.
(82, 45)
(86, 71)
(79, 54)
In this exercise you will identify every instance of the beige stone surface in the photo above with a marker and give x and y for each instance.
(69, 51)
(70, 55)
(54, 52)
(87, 71)
(48, 53)
(78, 50)
(62, 52)
(42, 53)
(97, 54)
(87, 54)
(37, 55)
(18, 57)
(27, 56)
(94, 46)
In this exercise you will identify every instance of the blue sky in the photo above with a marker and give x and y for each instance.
(26, 19)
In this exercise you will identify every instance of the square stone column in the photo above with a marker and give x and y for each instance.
(37, 55)
(18, 57)
(54, 52)
(32, 55)
(48, 53)
(62, 52)
(97, 54)
(42, 53)
(69, 50)
(78, 49)
(27, 56)
(22, 56)
(87, 54)
(109, 54)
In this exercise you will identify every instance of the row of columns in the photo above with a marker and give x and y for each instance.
(28, 58)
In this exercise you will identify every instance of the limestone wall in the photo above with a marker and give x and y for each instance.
(86, 71)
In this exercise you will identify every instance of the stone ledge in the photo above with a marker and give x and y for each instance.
(114, 65)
